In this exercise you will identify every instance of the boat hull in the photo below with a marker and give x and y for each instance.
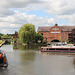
(57, 51)
(50, 49)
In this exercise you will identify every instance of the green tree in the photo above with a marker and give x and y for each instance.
(0, 37)
(15, 40)
(1, 34)
(67, 40)
(5, 37)
(38, 37)
(27, 33)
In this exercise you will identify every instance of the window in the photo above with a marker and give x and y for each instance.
(47, 34)
(63, 37)
(63, 33)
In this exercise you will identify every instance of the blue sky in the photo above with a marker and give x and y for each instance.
(15, 13)
(39, 13)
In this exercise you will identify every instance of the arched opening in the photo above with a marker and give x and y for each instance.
(55, 40)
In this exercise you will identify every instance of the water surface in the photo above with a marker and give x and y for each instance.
(28, 61)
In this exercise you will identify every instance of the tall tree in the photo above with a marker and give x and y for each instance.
(27, 33)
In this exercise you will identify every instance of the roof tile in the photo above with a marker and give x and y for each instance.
(63, 28)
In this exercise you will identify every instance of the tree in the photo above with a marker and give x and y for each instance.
(67, 40)
(27, 33)
(0, 37)
(1, 34)
(38, 37)
(5, 37)
(15, 40)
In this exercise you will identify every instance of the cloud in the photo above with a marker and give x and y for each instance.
(14, 13)
(6, 12)
(17, 20)
(59, 7)
(17, 3)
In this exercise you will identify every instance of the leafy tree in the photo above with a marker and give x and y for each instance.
(0, 37)
(15, 40)
(1, 34)
(27, 33)
(38, 37)
(5, 37)
(67, 40)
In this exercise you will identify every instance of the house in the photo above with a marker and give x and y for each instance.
(15, 35)
(55, 33)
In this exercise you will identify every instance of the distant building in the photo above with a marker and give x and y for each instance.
(55, 33)
(15, 35)
(72, 36)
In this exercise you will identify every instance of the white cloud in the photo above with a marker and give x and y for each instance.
(59, 7)
(17, 3)
(11, 17)
(18, 19)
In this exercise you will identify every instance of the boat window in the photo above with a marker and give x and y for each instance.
(41, 48)
(47, 48)
(72, 49)
(51, 49)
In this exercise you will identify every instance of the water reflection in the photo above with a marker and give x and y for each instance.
(58, 53)
(7, 48)
(56, 64)
(22, 47)
(27, 56)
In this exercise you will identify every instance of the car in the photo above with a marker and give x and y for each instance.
(3, 60)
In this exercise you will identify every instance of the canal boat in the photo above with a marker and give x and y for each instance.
(58, 49)
(3, 60)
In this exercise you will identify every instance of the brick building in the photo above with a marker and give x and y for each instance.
(72, 36)
(55, 33)
(15, 35)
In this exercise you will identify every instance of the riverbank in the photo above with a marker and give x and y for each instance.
(25, 46)
(35, 44)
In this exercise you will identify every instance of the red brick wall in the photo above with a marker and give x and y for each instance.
(15, 35)
(60, 35)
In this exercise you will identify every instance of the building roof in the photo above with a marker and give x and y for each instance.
(63, 28)
(66, 28)
(47, 28)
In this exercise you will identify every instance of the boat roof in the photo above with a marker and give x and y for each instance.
(46, 47)
(59, 47)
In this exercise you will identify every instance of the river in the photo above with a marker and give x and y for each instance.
(28, 61)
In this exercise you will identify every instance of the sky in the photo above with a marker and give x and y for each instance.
(15, 13)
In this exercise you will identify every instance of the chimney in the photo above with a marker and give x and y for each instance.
(56, 24)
